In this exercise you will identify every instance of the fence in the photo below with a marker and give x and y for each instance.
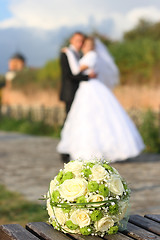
(56, 115)
(51, 116)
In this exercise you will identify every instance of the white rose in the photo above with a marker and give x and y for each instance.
(116, 186)
(49, 209)
(74, 167)
(98, 173)
(69, 230)
(104, 224)
(60, 216)
(52, 186)
(96, 198)
(71, 189)
(80, 217)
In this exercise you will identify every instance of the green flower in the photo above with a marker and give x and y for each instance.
(86, 172)
(59, 176)
(90, 165)
(67, 175)
(71, 225)
(93, 186)
(113, 230)
(103, 190)
(81, 199)
(85, 230)
(96, 215)
(66, 208)
(107, 167)
(113, 209)
(55, 196)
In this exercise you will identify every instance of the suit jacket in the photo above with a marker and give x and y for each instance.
(69, 82)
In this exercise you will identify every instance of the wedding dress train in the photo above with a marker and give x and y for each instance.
(97, 126)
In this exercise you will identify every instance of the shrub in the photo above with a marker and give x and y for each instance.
(43, 78)
(150, 132)
(28, 127)
(136, 59)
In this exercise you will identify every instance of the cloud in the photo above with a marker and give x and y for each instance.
(125, 22)
(52, 13)
(38, 28)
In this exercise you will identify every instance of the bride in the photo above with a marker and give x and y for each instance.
(97, 125)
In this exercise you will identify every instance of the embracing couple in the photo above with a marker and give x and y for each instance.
(96, 124)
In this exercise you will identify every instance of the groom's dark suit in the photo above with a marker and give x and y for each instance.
(69, 82)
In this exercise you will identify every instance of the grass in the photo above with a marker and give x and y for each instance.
(29, 127)
(14, 208)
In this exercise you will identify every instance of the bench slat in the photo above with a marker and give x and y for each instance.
(81, 237)
(15, 231)
(145, 223)
(118, 236)
(154, 217)
(139, 233)
(45, 231)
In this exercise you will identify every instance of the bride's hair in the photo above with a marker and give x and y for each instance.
(91, 39)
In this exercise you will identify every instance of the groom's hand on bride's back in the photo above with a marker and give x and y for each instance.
(92, 75)
(64, 49)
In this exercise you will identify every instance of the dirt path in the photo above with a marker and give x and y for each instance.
(28, 163)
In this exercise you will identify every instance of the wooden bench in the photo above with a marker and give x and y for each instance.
(140, 228)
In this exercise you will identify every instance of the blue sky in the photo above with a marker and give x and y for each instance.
(4, 10)
(37, 28)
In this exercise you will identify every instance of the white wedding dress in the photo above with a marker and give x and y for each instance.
(97, 126)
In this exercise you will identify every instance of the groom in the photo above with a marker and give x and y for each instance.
(70, 82)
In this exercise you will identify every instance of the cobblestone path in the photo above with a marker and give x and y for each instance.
(28, 163)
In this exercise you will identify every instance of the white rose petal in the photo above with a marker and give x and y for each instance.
(98, 173)
(115, 185)
(104, 224)
(49, 209)
(60, 216)
(73, 188)
(80, 217)
(69, 230)
(74, 167)
(52, 185)
(96, 198)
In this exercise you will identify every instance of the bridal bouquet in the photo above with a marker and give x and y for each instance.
(88, 198)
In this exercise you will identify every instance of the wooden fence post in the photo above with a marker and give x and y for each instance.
(19, 112)
(8, 112)
(43, 113)
(30, 114)
(159, 121)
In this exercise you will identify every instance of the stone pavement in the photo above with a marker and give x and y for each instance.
(28, 163)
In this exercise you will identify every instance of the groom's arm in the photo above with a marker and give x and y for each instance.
(66, 71)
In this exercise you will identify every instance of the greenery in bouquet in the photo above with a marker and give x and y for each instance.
(89, 198)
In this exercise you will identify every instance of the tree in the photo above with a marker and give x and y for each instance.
(142, 30)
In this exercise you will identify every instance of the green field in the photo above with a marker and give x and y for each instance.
(14, 208)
